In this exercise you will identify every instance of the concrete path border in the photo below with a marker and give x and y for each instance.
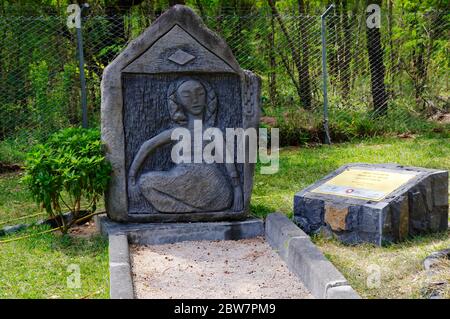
(121, 282)
(169, 233)
(305, 260)
(302, 257)
(122, 234)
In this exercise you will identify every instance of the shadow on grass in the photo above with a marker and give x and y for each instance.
(68, 245)
(411, 242)
(261, 211)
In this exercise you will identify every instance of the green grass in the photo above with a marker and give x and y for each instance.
(36, 267)
(302, 166)
(13, 152)
(399, 266)
(15, 200)
(39, 266)
(401, 272)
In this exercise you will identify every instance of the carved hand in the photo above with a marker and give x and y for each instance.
(132, 180)
(133, 188)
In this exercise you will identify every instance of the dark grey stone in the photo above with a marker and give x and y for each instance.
(305, 260)
(313, 213)
(141, 106)
(167, 233)
(434, 258)
(51, 222)
(419, 206)
(8, 230)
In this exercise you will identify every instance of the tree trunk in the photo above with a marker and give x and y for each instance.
(303, 90)
(391, 43)
(345, 56)
(272, 63)
(332, 50)
(303, 71)
(377, 69)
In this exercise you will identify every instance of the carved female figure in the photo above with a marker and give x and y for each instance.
(187, 187)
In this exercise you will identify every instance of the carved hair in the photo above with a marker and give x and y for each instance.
(176, 110)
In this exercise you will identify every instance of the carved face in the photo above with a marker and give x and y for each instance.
(191, 94)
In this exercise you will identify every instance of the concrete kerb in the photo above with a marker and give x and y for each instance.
(121, 283)
(121, 235)
(303, 258)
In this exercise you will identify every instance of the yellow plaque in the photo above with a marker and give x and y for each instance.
(364, 184)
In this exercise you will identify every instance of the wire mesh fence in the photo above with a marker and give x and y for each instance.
(386, 78)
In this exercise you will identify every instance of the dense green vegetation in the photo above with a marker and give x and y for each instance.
(394, 82)
(71, 162)
(37, 266)
(388, 102)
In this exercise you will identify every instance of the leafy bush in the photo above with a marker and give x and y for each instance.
(71, 163)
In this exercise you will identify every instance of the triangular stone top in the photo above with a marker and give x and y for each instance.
(177, 51)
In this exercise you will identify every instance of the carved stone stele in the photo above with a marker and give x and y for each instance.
(176, 71)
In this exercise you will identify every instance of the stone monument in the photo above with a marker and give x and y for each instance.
(176, 73)
(375, 203)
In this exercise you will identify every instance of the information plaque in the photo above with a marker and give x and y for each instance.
(364, 183)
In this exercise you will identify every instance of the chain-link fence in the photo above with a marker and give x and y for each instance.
(390, 78)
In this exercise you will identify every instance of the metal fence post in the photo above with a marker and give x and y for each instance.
(324, 74)
(81, 65)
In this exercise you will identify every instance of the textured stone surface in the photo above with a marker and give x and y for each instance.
(435, 257)
(305, 260)
(342, 292)
(135, 109)
(336, 216)
(151, 115)
(121, 283)
(417, 207)
(167, 233)
(279, 231)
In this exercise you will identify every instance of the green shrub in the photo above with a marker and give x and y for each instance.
(71, 162)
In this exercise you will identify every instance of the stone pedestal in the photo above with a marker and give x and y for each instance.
(418, 206)
(169, 233)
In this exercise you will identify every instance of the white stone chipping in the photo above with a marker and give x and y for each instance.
(247, 268)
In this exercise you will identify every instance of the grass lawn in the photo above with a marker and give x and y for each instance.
(401, 273)
(42, 265)
(37, 266)
(300, 167)
(15, 201)
(394, 271)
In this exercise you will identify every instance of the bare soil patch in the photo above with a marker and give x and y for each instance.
(86, 230)
(213, 269)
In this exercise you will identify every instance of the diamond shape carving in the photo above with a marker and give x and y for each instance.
(181, 57)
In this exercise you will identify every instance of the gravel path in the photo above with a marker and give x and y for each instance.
(213, 269)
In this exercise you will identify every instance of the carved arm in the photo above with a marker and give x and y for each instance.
(146, 148)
